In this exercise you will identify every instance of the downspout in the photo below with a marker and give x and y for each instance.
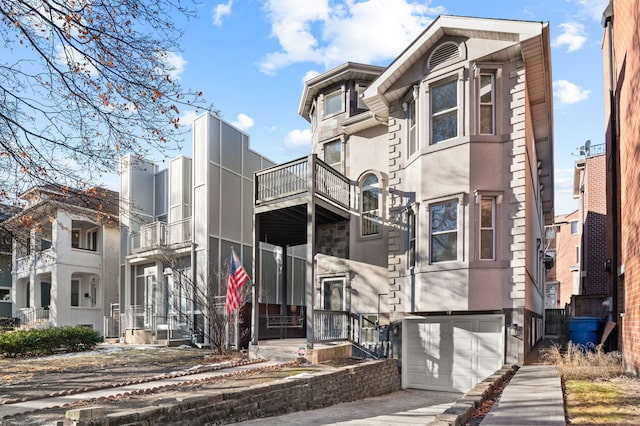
(607, 22)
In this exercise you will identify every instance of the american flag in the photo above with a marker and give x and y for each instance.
(237, 277)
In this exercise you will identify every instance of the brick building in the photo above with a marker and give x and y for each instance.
(621, 54)
(590, 190)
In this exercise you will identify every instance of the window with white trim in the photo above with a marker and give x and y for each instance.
(333, 103)
(412, 237)
(486, 103)
(487, 227)
(412, 132)
(444, 231)
(444, 111)
(370, 206)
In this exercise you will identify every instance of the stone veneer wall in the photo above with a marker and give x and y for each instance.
(395, 216)
(350, 383)
(517, 211)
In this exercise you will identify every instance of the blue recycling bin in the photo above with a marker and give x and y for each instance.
(584, 330)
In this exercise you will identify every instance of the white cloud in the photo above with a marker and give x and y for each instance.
(569, 93)
(309, 75)
(298, 139)
(72, 58)
(221, 10)
(175, 62)
(331, 34)
(573, 36)
(592, 8)
(563, 186)
(187, 117)
(243, 122)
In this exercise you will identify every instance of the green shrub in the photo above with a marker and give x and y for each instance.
(48, 340)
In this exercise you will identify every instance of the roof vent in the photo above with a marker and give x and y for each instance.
(445, 52)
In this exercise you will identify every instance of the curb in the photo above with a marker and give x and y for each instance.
(462, 410)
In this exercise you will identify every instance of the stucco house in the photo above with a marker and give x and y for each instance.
(64, 258)
(424, 202)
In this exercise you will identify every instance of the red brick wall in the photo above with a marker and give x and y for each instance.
(626, 47)
(594, 238)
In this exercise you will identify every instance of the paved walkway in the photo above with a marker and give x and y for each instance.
(532, 397)
(409, 407)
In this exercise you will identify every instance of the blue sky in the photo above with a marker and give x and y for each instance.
(250, 58)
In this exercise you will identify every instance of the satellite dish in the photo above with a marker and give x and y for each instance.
(587, 146)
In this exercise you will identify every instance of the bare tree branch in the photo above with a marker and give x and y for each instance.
(86, 82)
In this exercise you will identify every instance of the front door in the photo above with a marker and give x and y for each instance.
(45, 294)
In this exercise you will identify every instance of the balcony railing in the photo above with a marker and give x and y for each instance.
(173, 326)
(330, 326)
(161, 234)
(301, 176)
(30, 317)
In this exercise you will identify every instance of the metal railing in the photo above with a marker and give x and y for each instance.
(330, 326)
(300, 176)
(595, 150)
(161, 234)
(371, 337)
(29, 317)
(112, 323)
(164, 327)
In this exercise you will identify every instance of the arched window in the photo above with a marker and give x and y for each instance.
(370, 205)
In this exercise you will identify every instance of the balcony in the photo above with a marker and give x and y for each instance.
(304, 176)
(161, 235)
(286, 194)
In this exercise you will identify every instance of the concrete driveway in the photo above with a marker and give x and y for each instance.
(405, 407)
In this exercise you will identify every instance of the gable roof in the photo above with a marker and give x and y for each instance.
(530, 39)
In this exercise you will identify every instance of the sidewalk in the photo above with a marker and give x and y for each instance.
(532, 397)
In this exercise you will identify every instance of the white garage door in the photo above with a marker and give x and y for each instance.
(451, 353)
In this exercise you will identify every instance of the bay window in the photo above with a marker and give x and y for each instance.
(444, 231)
(486, 98)
(444, 111)
(487, 227)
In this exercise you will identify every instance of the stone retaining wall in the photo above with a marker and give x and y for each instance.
(270, 399)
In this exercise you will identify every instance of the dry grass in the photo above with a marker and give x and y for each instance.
(578, 364)
(596, 387)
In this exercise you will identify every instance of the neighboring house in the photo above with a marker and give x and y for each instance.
(178, 226)
(6, 310)
(621, 59)
(589, 188)
(563, 279)
(425, 199)
(65, 257)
